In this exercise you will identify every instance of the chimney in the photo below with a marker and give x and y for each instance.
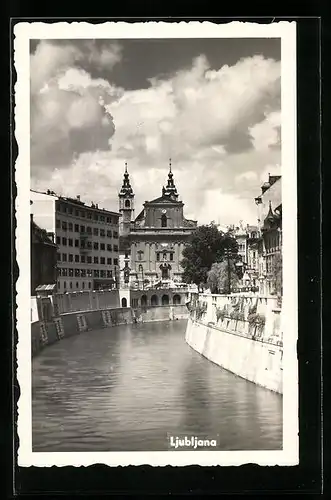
(78, 197)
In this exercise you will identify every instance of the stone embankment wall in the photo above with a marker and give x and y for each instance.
(44, 333)
(240, 334)
(87, 300)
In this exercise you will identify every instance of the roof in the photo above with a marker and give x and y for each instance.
(44, 288)
(40, 234)
(164, 199)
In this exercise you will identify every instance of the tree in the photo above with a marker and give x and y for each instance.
(219, 274)
(207, 246)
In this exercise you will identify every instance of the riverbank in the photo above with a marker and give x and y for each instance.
(241, 334)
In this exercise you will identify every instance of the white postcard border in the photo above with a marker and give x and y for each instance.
(23, 32)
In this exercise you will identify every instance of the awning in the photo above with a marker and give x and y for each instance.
(45, 288)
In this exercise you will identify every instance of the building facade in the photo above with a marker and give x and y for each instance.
(87, 239)
(247, 238)
(43, 259)
(152, 243)
(269, 205)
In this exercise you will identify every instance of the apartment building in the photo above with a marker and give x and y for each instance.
(87, 239)
(269, 204)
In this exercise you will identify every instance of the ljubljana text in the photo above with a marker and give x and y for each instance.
(191, 442)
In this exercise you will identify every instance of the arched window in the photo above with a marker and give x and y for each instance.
(143, 300)
(127, 203)
(164, 220)
(176, 299)
(165, 300)
(154, 300)
(124, 302)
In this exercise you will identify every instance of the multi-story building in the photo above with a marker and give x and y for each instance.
(43, 260)
(87, 239)
(152, 243)
(269, 205)
(247, 238)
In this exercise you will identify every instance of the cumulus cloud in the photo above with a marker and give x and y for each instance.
(249, 176)
(68, 107)
(266, 134)
(220, 127)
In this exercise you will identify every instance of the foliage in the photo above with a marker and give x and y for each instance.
(220, 313)
(218, 277)
(200, 309)
(252, 309)
(256, 319)
(206, 247)
(237, 315)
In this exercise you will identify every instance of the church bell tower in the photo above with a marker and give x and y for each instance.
(126, 204)
(170, 189)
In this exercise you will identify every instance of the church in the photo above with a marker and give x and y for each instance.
(152, 243)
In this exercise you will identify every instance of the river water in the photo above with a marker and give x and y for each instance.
(129, 388)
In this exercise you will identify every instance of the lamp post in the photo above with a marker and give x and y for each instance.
(240, 265)
(228, 254)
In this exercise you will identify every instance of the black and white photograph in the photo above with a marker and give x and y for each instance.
(156, 240)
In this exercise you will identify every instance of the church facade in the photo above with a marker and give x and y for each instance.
(152, 243)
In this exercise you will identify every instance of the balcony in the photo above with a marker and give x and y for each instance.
(85, 249)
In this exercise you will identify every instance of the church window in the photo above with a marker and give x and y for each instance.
(127, 203)
(157, 256)
(171, 256)
(164, 220)
(140, 255)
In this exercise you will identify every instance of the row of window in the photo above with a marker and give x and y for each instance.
(69, 226)
(87, 245)
(86, 214)
(82, 273)
(85, 258)
(70, 285)
(171, 256)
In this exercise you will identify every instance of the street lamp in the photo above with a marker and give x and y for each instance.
(228, 254)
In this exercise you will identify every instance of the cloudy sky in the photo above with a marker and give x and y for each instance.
(212, 105)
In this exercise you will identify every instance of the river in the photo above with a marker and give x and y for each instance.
(129, 388)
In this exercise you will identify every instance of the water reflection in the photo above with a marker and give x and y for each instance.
(128, 387)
